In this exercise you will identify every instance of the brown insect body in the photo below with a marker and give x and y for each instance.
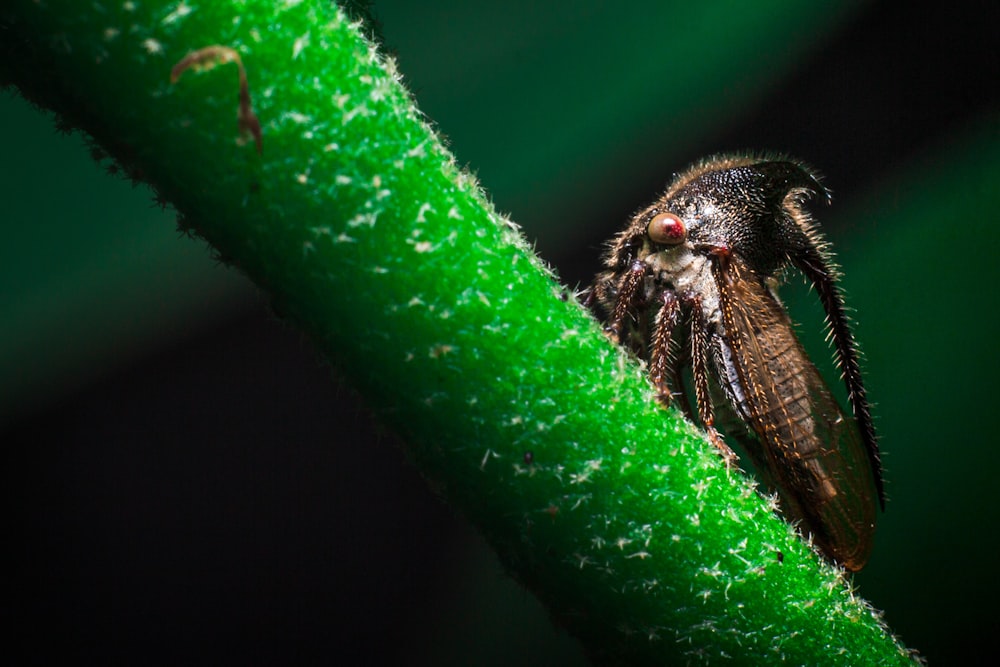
(690, 283)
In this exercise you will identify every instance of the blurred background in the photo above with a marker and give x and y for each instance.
(186, 481)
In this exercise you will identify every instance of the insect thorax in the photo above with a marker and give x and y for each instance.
(688, 273)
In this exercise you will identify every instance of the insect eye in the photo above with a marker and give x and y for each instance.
(668, 229)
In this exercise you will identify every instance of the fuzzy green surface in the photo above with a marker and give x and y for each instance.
(362, 230)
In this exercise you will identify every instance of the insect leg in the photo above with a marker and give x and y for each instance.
(814, 265)
(628, 294)
(699, 369)
(660, 370)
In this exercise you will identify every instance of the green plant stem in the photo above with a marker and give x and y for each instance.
(361, 229)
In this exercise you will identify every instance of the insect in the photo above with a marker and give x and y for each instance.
(690, 283)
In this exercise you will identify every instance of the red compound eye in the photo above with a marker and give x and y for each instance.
(668, 229)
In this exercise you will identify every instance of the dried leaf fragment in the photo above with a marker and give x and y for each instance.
(208, 57)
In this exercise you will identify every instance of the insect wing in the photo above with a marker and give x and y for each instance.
(812, 451)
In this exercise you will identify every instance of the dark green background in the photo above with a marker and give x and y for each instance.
(185, 480)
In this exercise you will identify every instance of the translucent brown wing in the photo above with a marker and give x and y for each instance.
(811, 451)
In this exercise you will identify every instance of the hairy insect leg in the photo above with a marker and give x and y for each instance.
(628, 293)
(661, 371)
(699, 369)
(816, 267)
